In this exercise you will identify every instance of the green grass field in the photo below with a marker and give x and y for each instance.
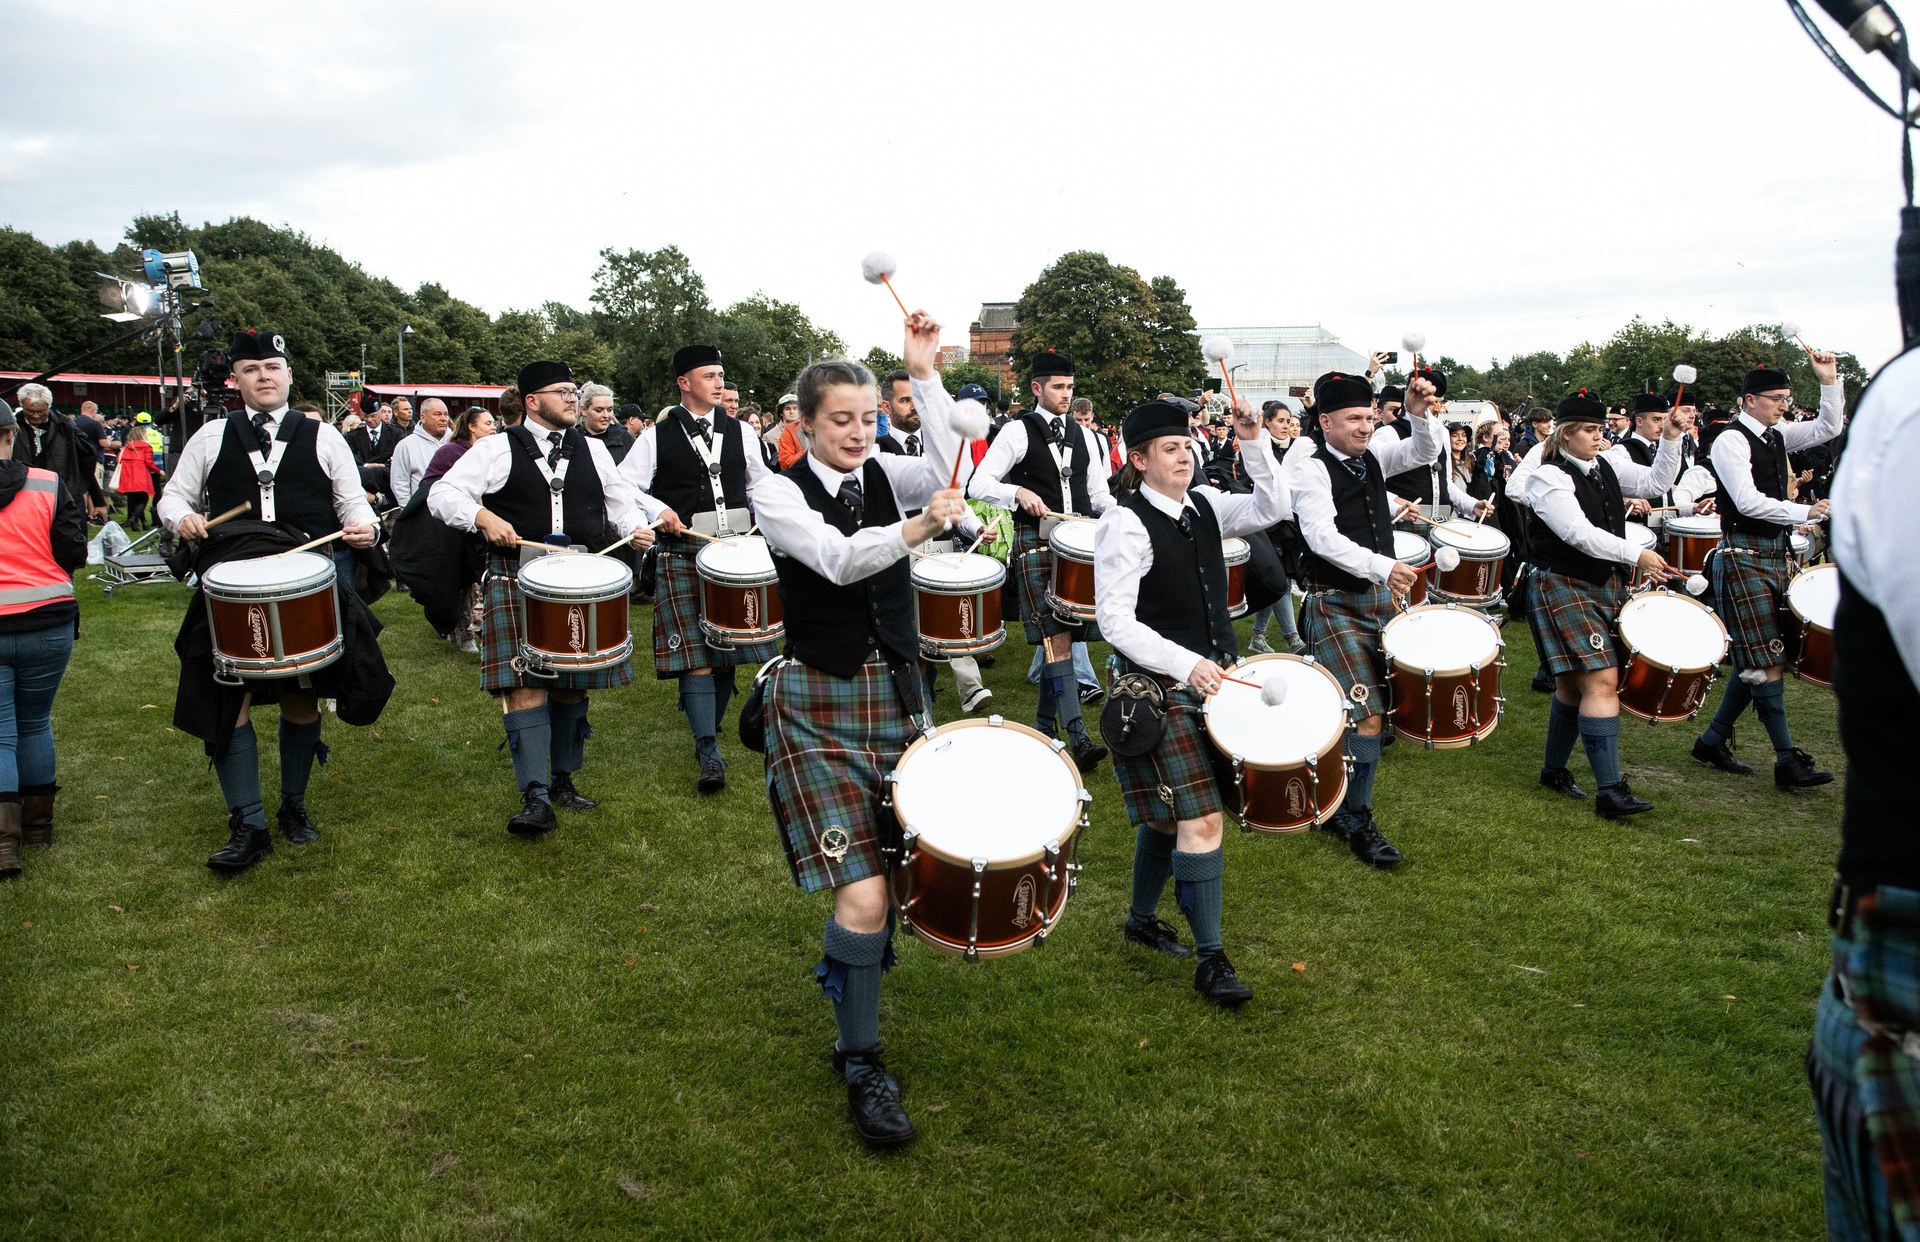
(1544, 1025)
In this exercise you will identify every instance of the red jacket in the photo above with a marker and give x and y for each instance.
(136, 467)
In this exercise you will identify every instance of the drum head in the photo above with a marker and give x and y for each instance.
(1074, 540)
(1815, 594)
(1444, 639)
(980, 790)
(1472, 537)
(1674, 631)
(291, 571)
(1410, 549)
(1802, 545)
(575, 573)
(744, 560)
(1640, 535)
(1304, 723)
(958, 571)
(1694, 526)
(1236, 550)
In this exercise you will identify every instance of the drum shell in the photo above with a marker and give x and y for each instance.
(733, 613)
(1237, 554)
(1292, 797)
(1656, 692)
(958, 621)
(1475, 580)
(1448, 707)
(577, 635)
(1423, 569)
(277, 631)
(1809, 645)
(1070, 586)
(1687, 550)
(934, 895)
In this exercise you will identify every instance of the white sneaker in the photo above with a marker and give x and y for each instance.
(467, 646)
(1258, 645)
(973, 701)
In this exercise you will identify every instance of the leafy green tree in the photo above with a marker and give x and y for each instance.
(880, 361)
(650, 304)
(766, 343)
(1174, 361)
(967, 372)
(1101, 314)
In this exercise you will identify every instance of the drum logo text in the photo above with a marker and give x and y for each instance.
(257, 630)
(576, 628)
(752, 602)
(1023, 902)
(966, 617)
(1459, 707)
(1296, 797)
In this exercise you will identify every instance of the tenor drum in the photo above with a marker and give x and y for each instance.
(990, 815)
(1070, 584)
(272, 616)
(739, 593)
(1689, 539)
(1812, 598)
(1674, 645)
(1476, 579)
(1289, 768)
(1443, 675)
(573, 612)
(1238, 552)
(957, 599)
(1641, 536)
(1416, 554)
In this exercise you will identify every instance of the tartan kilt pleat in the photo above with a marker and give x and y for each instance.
(1343, 630)
(1750, 578)
(502, 667)
(1030, 563)
(679, 645)
(1179, 778)
(831, 744)
(1575, 622)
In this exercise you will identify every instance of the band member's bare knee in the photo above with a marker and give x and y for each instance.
(521, 698)
(1370, 726)
(1200, 836)
(568, 696)
(862, 905)
(298, 708)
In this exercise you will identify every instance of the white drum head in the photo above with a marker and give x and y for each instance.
(1640, 535)
(1674, 631)
(741, 559)
(1481, 540)
(1410, 549)
(1236, 550)
(978, 790)
(1815, 594)
(1441, 638)
(264, 572)
(574, 573)
(1304, 723)
(1802, 545)
(1074, 540)
(1694, 526)
(958, 571)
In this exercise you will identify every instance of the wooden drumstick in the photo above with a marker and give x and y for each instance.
(993, 529)
(314, 543)
(234, 512)
(1071, 517)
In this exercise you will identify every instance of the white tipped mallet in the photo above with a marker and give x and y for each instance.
(1218, 349)
(1697, 584)
(878, 269)
(970, 420)
(1274, 692)
(1413, 343)
(1683, 375)
(1792, 330)
(1446, 559)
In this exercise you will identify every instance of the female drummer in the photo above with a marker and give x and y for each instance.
(841, 708)
(1160, 595)
(1582, 562)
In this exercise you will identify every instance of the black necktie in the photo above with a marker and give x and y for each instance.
(260, 422)
(1186, 522)
(1355, 468)
(1055, 431)
(850, 496)
(553, 458)
(706, 431)
(913, 444)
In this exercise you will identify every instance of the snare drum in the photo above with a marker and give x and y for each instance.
(272, 616)
(1237, 552)
(990, 815)
(1289, 768)
(1416, 554)
(1070, 583)
(1674, 646)
(573, 612)
(1443, 675)
(1689, 539)
(739, 593)
(1807, 546)
(1476, 579)
(1812, 598)
(1641, 536)
(956, 597)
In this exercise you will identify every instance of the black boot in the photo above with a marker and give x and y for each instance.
(713, 768)
(1719, 756)
(246, 846)
(1370, 845)
(9, 840)
(1087, 753)
(36, 814)
(1215, 980)
(563, 794)
(294, 824)
(1158, 935)
(536, 813)
(873, 1099)
(1618, 802)
(1796, 771)
(1561, 782)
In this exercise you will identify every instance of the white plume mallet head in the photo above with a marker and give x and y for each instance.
(1684, 374)
(1217, 348)
(970, 419)
(878, 267)
(1273, 691)
(1414, 342)
(1446, 560)
(1697, 584)
(1790, 328)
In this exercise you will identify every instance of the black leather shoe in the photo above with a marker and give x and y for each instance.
(1158, 935)
(873, 1099)
(1720, 757)
(246, 846)
(1337, 826)
(563, 794)
(713, 768)
(1618, 802)
(1796, 771)
(1561, 782)
(1215, 980)
(536, 813)
(1370, 846)
(294, 824)
(1087, 753)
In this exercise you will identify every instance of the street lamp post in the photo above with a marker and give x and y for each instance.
(401, 337)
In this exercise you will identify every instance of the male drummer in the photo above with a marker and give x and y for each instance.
(1160, 595)
(1042, 463)
(698, 460)
(1353, 580)
(1638, 445)
(299, 473)
(1753, 565)
(1432, 485)
(547, 484)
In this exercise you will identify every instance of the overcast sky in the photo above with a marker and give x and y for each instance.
(1501, 176)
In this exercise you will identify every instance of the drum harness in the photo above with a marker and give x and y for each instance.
(703, 445)
(266, 466)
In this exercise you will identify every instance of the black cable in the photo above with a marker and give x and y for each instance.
(1846, 70)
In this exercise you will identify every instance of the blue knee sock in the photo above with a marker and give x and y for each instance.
(849, 973)
(699, 700)
(1065, 692)
(723, 688)
(1152, 864)
(1732, 703)
(300, 745)
(1770, 704)
(530, 738)
(239, 772)
(568, 746)
(1563, 727)
(1196, 886)
(1365, 753)
(1601, 737)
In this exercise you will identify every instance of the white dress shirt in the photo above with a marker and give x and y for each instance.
(1733, 458)
(1876, 525)
(1009, 448)
(1517, 481)
(1447, 490)
(185, 492)
(484, 468)
(1123, 553)
(411, 457)
(1550, 496)
(1313, 497)
(644, 457)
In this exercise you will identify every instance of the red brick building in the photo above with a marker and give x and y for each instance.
(990, 339)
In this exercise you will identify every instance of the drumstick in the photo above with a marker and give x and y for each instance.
(314, 543)
(1071, 517)
(981, 538)
(1243, 681)
(236, 511)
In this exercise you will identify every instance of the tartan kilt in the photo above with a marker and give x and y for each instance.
(1750, 577)
(1865, 1089)
(1574, 622)
(1177, 779)
(501, 666)
(831, 744)
(1030, 564)
(1343, 629)
(679, 645)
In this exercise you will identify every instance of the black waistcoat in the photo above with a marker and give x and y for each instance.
(1638, 449)
(1769, 477)
(1039, 473)
(1603, 504)
(837, 628)
(524, 500)
(1183, 594)
(1877, 841)
(1417, 483)
(1361, 512)
(680, 478)
(302, 492)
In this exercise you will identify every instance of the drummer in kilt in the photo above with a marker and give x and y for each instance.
(542, 481)
(1753, 564)
(1582, 562)
(1160, 594)
(845, 704)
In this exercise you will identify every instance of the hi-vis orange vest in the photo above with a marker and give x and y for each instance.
(29, 576)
